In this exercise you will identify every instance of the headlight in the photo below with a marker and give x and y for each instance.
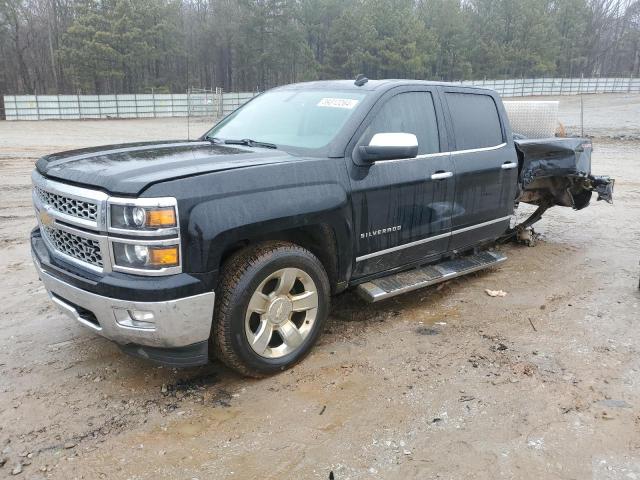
(144, 235)
(146, 257)
(133, 217)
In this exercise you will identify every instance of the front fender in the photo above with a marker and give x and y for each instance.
(219, 209)
(217, 224)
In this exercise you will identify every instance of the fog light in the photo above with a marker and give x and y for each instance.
(139, 319)
(141, 315)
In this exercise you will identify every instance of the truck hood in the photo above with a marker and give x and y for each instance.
(127, 169)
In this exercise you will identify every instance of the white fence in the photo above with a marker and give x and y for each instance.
(217, 104)
(72, 107)
(525, 87)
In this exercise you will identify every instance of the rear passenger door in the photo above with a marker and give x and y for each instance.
(485, 163)
(401, 211)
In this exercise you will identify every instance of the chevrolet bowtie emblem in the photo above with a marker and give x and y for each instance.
(45, 218)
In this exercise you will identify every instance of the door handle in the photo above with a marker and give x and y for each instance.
(441, 175)
(509, 165)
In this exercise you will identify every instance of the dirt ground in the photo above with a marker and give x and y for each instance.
(442, 383)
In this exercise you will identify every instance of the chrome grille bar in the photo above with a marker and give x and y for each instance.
(80, 248)
(71, 220)
(81, 207)
(67, 205)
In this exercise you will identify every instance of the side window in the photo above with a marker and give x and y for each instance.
(410, 112)
(476, 123)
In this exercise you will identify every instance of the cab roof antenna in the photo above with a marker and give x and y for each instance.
(360, 80)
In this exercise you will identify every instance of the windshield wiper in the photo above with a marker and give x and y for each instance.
(250, 143)
(214, 139)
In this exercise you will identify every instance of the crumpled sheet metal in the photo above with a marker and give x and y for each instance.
(562, 157)
(554, 157)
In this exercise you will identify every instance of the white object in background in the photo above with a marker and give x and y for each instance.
(533, 119)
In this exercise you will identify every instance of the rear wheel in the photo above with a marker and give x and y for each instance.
(272, 303)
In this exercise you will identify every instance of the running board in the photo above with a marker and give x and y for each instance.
(385, 287)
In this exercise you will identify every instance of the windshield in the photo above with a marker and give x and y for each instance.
(296, 118)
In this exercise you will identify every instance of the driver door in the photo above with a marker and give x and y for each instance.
(402, 208)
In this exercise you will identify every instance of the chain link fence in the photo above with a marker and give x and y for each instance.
(216, 104)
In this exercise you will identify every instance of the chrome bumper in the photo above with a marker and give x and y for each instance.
(170, 324)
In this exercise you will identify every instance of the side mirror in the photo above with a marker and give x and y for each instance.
(389, 146)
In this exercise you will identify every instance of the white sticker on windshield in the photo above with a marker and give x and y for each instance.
(347, 103)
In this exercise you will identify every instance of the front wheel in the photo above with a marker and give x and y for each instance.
(271, 308)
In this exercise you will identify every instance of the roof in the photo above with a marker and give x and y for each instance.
(370, 85)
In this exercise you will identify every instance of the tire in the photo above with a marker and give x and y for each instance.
(258, 305)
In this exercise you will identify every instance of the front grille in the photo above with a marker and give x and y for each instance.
(80, 248)
(69, 206)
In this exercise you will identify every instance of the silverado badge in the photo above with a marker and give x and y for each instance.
(381, 231)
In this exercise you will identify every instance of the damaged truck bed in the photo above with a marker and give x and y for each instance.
(557, 171)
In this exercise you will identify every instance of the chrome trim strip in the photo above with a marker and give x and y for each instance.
(453, 152)
(161, 232)
(67, 190)
(80, 233)
(474, 150)
(480, 225)
(429, 239)
(402, 247)
(432, 155)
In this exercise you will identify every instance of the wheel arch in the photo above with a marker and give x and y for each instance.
(318, 238)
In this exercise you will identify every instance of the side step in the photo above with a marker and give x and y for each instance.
(385, 287)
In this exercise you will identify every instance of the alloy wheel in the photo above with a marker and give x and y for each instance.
(281, 313)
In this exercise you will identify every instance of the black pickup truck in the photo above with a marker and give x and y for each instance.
(231, 246)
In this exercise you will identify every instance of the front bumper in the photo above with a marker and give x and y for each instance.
(173, 324)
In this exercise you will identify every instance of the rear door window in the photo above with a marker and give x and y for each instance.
(476, 123)
(409, 112)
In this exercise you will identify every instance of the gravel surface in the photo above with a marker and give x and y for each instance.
(445, 382)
